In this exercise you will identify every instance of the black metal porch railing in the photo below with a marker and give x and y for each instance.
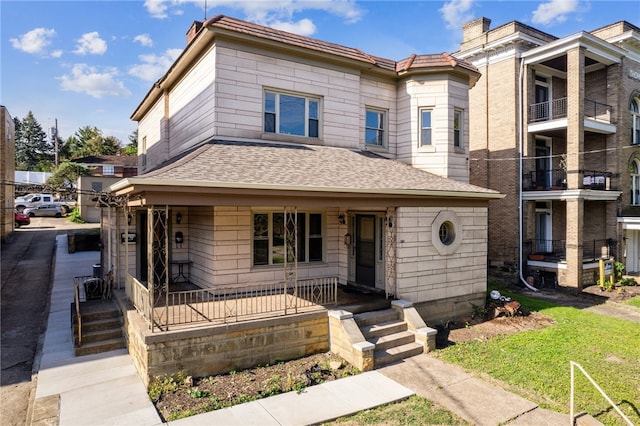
(553, 180)
(557, 108)
(556, 250)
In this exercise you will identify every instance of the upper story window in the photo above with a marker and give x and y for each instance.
(291, 114)
(143, 151)
(108, 170)
(635, 182)
(425, 127)
(635, 121)
(269, 238)
(458, 128)
(375, 127)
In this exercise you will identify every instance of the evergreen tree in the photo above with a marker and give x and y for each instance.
(66, 175)
(89, 141)
(132, 147)
(33, 151)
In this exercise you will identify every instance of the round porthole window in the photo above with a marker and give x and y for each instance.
(447, 233)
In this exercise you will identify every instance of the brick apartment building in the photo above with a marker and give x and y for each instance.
(555, 125)
(7, 168)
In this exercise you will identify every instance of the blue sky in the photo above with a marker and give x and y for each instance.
(89, 63)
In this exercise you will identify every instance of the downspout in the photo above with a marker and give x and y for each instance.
(520, 149)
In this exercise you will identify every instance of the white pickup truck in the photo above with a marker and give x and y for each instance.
(37, 200)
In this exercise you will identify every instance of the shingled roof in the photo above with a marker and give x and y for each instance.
(306, 168)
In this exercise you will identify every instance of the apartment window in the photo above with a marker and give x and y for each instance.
(108, 170)
(425, 127)
(143, 151)
(289, 114)
(96, 186)
(635, 182)
(635, 121)
(269, 238)
(375, 127)
(457, 128)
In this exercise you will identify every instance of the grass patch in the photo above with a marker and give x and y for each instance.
(535, 364)
(634, 302)
(412, 411)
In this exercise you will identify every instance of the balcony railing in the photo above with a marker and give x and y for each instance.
(557, 108)
(556, 250)
(555, 180)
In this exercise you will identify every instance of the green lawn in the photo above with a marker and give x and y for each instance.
(535, 364)
(634, 302)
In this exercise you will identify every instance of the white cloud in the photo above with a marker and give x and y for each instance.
(456, 12)
(144, 40)
(90, 44)
(276, 14)
(154, 66)
(34, 41)
(554, 11)
(56, 54)
(93, 82)
(303, 27)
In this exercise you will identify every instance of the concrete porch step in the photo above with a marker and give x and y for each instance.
(376, 317)
(397, 353)
(99, 335)
(99, 347)
(100, 324)
(393, 340)
(383, 329)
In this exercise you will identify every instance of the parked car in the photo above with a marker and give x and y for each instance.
(45, 210)
(21, 219)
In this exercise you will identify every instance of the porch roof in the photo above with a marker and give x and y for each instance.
(251, 166)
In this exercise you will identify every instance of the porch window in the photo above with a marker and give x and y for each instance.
(635, 121)
(375, 127)
(290, 114)
(269, 238)
(635, 182)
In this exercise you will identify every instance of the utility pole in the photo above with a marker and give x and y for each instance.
(55, 144)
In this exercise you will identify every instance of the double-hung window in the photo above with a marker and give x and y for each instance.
(289, 114)
(375, 127)
(425, 127)
(457, 128)
(635, 182)
(269, 238)
(108, 170)
(635, 121)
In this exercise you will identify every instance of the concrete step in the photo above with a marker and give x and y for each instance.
(99, 324)
(388, 356)
(393, 340)
(376, 317)
(383, 329)
(99, 347)
(99, 336)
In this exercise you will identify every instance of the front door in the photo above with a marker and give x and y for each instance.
(365, 247)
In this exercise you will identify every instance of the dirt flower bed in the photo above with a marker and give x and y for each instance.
(181, 396)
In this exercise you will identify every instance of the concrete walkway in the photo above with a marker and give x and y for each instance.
(105, 389)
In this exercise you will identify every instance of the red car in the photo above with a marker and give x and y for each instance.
(22, 219)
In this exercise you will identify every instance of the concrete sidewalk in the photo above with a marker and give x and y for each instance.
(105, 389)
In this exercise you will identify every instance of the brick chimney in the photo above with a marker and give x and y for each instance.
(475, 28)
(193, 31)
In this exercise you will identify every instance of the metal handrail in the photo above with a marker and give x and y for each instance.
(76, 291)
(599, 389)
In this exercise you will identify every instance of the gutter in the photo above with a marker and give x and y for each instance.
(520, 168)
(128, 182)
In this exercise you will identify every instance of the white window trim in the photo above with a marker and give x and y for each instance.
(270, 214)
(635, 184)
(461, 120)
(421, 110)
(307, 98)
(385, 127)
(635, 121)
(456, 224)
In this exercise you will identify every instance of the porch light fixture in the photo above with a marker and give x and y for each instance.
(178, 218)
(341, 219)
(129, 219)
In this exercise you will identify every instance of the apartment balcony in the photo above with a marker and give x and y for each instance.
(552, 115)
(554, 251)
(555, 180)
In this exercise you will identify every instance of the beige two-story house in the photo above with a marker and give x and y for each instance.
(266, 157)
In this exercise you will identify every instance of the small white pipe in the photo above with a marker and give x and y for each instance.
(520, 143)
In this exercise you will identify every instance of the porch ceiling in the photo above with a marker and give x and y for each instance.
(247, 172)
